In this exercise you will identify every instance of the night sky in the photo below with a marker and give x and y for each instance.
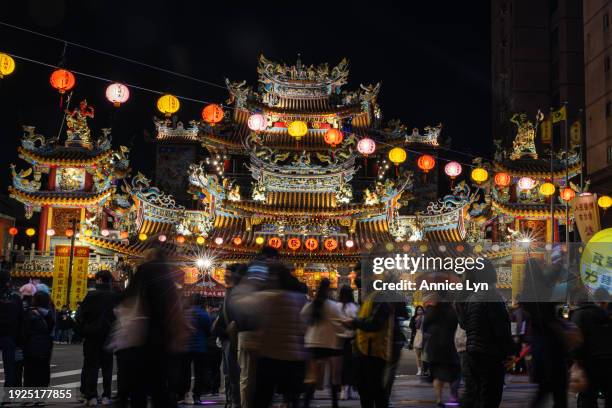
(432, 58)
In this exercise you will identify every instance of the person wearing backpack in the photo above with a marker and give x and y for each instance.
(38, 341)
(95, 322)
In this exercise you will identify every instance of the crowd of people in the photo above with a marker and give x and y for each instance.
(276, 341)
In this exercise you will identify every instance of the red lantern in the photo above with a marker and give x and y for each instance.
(237, 241)
(13, 231)
(330, 244)
(426, 162)
(567, 194)
(311, 244)
(294, 243)
(69, 232)
(502, 179)
(212, 114)
(62, 80)
(275, 242)
(333, 137)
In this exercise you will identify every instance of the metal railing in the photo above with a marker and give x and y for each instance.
(30, 260)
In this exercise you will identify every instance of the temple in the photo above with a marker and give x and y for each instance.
(282, 168)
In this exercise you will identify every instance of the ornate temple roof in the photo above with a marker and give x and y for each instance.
(61, 198)
(538, 168)
(64, 156)
(530, 210)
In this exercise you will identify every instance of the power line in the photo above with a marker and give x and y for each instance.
(109, 54)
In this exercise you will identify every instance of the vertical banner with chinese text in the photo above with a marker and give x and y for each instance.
(61, 263)
(586, 215)
(80, 264)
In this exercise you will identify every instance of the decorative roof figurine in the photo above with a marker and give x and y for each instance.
(523, 144)
(76, 122)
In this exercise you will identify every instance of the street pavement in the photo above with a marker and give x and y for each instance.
(409, 390)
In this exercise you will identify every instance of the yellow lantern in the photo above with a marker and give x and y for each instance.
(480, 175)
(88, 232)
(547, 189)
(30, 232)
(604, 202)
(142, 236)
(297, 129)
(397, 155)
(7, 65)
(200, 240)
(168, 104)
(259, 240)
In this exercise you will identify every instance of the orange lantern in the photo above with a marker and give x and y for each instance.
(13, 231)
(69, 232)
(62, 80)
(567, 194)
(330, 244)
(237, 241)
(180, 239)
(502, 179)
(212, 114)
(294, 243)
(333, 137)
(275, 242)
(426, 162)
(124, 235)
(311, 244)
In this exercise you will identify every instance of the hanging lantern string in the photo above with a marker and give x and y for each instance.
(109, 54)
(150, 90)
(141, 88)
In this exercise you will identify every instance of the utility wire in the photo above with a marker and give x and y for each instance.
(109, 54)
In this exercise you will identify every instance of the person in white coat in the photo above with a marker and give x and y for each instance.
(324, 319)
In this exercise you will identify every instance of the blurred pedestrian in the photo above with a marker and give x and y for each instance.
(225, 329)
(484, 317)
(349, 311)
(195, 353)
(150, 327)
(10, 326)
(64, 326)
(213, 357)
(94, 324)
(256, 279)
(439, 325)
(416, 336)
(324, 319)
(282, 354)
(37, 337)
(594, 356)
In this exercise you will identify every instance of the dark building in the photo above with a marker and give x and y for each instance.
(598, 93)
(536, 59)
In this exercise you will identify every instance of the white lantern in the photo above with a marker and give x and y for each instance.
(117, 93)
(219, 240)
(257, 122)
(453, 169)
(50, 232)
(526, 183)
(366, 146)
(162, 238)
(349, 243)
(105, 232)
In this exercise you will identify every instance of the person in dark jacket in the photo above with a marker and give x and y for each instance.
(10, 326)
(439, 325)
(195, 353)
(38, 341)
(489, 345)
(95, 320)
(595, 354)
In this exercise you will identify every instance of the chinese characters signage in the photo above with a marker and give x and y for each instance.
(586, 215)
(61, 264)
(80, 264)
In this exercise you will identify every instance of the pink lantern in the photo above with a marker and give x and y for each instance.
(117, 94)
(257, 122)
(366, 146)
(453, 169)
(526, 183)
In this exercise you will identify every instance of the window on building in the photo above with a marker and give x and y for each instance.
(608, 109)
(606, 21)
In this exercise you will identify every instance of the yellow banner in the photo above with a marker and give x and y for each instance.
(546, 131)
(80, 265)
(586, 215)
(576, 134)
(61, 263)
(559, 115)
